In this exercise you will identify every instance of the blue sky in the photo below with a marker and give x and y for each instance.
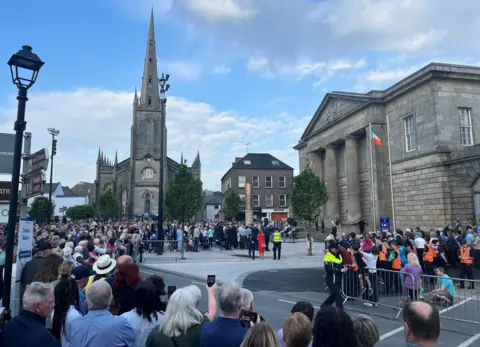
(241, 70)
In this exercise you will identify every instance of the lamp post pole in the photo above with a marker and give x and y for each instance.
(53, 132)
(25, 59)
(163, 100)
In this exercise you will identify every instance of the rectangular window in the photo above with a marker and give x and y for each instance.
(282, 200)
(281, 182)
(256, 200)
(215, 207)
(275, 163)
(410, 139)
(268, 182)
(269, 200)
(466, 136)
(241, 181)
(256, 182)
(247, 162)
(242, 197)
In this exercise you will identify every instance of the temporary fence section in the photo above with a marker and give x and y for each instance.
(457, 299)
(159, 251)
(376, 287)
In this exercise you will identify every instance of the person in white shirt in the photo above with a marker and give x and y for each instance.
(145, 316)
(66, 309)
(420, 246)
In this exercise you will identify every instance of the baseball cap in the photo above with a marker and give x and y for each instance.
(80, 272)
(43, 245)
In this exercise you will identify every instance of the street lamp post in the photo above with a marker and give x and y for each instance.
(163, 100)
(53, 132)
(24, 67)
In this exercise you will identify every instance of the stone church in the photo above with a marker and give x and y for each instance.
(135, 180)
(429, 124)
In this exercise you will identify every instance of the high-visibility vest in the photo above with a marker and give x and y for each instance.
(382, 256)
(465, 255)
(354, 261)
(277, 237)
(397, 262)
(431, 254)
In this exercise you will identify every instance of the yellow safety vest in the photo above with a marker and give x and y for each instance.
(277, 237)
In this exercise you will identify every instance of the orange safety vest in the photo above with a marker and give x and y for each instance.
(354, 262)
(465, 255)
(397, 262)
(431, 254)
(382, 256)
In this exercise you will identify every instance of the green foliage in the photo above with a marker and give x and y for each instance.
(217, 193)
(108, 206)
(80, 212)
(38, 210)
(231, 204)
(184, 195)
(308, 195)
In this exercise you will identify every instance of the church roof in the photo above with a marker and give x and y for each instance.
(258, 161)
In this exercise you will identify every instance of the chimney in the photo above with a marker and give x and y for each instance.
(237, 159)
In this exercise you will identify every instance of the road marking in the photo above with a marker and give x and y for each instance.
(469, 341)
(147, 272)
(200, 283)
(393, 332)
(293, 303)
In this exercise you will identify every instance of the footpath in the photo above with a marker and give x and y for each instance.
(234, 265)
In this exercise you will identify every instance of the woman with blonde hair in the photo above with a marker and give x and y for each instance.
(366, 331)
(260, 335)
(412, 276)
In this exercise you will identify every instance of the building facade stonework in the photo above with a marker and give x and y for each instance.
(135, 180)
(433, 117)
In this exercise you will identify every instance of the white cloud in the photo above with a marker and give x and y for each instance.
(220, 10)
(221, 70)
(89, 118)
(390, 75)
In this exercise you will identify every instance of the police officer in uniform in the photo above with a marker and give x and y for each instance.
(277, 244)
(334, 272)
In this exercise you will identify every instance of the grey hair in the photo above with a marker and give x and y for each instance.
(36, 292)
(182, 312)
(247, 299)
(99, 295)
(230, 297)
(366, 331)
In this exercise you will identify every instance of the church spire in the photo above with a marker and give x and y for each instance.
(149, 96)
(98, 157)
(116, 158)
(196, 162)
(181, 159)
(135, 98)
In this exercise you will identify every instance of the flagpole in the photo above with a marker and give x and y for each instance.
(374, 212)
(390, 172)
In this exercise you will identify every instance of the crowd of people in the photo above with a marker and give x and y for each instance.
(370, 264)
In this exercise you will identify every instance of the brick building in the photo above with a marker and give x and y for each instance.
(433, 117)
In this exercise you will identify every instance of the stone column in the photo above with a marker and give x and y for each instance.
(316, 164)
(353, 179)
(331, 181)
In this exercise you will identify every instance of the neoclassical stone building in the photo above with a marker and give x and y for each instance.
(433, 119)
(135, 180)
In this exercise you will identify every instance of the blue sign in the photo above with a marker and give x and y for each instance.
(385, 224)
(22, 254)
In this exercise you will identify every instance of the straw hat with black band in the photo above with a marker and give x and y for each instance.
(104, 265)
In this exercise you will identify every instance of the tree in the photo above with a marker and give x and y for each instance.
(80, 212)
(38, 210)
(231, 204)
(308, 195)
(184, 195)
(108, 205)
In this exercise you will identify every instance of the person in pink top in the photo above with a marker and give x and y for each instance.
(261, 243)
(367, 244)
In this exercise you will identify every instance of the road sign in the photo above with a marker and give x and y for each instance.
(35, 184)
(25, 243)
(37, 161)
(5, 190)
(7, 145)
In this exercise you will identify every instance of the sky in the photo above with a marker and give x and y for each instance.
(242, 71)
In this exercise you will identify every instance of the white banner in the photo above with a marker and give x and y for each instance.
(25, 243)
(4, 213)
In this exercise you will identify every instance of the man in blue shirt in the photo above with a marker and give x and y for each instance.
(99, 328)
(445, 290)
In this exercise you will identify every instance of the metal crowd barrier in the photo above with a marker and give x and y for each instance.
(387, 288)
(377, 287)
(158, 250)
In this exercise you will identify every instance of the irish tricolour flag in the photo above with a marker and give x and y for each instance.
(376, 140)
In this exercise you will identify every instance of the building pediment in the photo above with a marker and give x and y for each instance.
(333, 108)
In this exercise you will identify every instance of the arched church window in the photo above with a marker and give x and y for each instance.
(124, 202)
(147, 198)
(148, 173)
(150, 79)
(149, 131)
(149, 101)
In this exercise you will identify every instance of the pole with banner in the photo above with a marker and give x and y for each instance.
(24, 255)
